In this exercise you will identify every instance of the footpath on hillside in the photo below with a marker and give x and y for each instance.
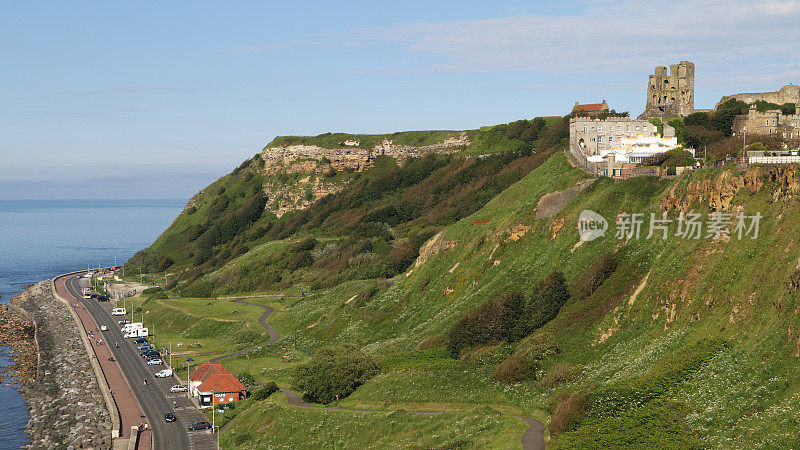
(532, 439)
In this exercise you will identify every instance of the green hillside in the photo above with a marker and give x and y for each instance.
(465, 280)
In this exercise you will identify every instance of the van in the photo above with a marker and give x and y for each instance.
(135, 333)
(131, 326)
(164, 373)
(118, 312)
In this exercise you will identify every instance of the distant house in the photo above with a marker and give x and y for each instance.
(212, 384)
(590, 108)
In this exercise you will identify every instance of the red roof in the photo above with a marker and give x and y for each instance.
(224, 382)
(588, 107)
(204, 370)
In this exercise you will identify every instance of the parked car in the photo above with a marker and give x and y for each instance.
(103, 328)
(144, 347)
(149, 354)
(178, 388)
(164, 373)
(124, 321)
(201, 425)
(155, 362)
(170, 417)
(140, 340)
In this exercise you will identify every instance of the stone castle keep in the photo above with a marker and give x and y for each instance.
(670, 94)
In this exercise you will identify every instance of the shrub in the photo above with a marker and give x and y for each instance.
(304, 245)
(300, 260)
(246, 378)
(494, 320)
(516, 369)
(560, 372)
(548, 296)
(568, 409)
(431, 342)
(595, 276)
(334, 373)
(164, 263)
(265, 391)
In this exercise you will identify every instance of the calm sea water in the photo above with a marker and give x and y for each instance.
(43, 238)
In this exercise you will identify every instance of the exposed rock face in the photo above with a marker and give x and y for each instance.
(718, 192)
(433, 246)
(66, 407)
(311, 158)
(17, 332)
(316, 161)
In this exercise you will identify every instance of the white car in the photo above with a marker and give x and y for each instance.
(103, 328)
(178, 388)
(155, 362)
(164, 373)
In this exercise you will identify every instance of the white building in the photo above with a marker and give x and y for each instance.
(634, 149)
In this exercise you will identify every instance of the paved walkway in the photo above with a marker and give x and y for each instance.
(128, 407)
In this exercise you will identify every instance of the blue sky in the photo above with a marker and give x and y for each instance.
(148, 99)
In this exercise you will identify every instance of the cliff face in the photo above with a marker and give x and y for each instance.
(718, 192)
(319, 163)
(313, 158)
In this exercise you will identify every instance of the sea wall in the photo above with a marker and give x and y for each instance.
(66, 406)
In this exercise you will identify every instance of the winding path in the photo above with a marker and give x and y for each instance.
(532, 439)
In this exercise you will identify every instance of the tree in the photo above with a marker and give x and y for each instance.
(547, 298)
(495, 320)
(334, 373)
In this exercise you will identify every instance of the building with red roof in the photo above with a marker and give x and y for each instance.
(212, 384)
(591, 108)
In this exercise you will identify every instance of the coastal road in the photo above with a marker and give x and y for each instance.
(154, 398)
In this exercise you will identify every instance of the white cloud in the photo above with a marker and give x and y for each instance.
(599, 37)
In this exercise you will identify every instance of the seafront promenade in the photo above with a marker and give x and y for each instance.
(126, 407)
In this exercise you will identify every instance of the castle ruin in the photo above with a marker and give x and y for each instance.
(670, 95)
(787, 94)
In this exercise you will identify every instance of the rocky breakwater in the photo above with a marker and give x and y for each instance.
(65, 403)
(18, 333)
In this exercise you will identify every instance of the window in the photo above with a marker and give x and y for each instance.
(637, 127)
(627, 128)
(610, 138)
(599, 138)
(767, 123)
(585, 129)
(599, 128)
(593, 139)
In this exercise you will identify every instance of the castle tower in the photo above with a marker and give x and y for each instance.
(670, 94)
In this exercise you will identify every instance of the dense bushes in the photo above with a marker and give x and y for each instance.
(509, 317)
(516, 369)
(334, 373)
(568, 409)
(495, 320)
(547, 298)
(265, 391)
(596, 275)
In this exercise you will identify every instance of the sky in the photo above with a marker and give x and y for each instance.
(158, 99)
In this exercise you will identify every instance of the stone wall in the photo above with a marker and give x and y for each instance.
(787, 94)
(66, 406)
(670, 94)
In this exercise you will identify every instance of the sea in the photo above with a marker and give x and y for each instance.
(40, 239)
